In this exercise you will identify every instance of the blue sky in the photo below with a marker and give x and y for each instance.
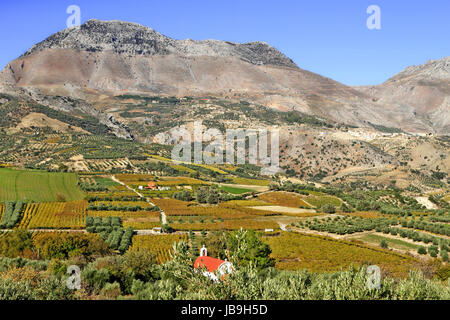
(327, 37)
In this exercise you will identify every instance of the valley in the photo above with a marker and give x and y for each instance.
(90, 117)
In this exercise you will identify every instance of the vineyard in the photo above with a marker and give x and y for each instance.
(125, 214)
(173, 207)
(135, 219)
(160, 245)
(227, 225)
(54, 215)
(284, 199)
(138, 224)
(294, 251)
(119, 220)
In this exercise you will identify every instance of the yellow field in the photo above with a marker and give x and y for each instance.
(319, 200)
(141, 225)
(126, 193)
(183, 168)
(173, 207)
(125, 214)
(55, 215)
(138, 220)
(248, 203)
(251, 182)
(364, 214)
(282, 198)
(294, 251)
(227, 225)
(124, 177)
(142, 204)
(160, 245)
(180, 181)
(289, 211)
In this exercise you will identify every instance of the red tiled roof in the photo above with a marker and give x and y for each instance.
(212, 264)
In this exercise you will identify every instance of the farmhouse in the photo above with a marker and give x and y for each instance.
(212, 265)
(152, 186)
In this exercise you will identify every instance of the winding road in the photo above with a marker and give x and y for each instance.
(163, 215)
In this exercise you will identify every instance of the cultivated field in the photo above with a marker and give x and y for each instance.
(38, 186)
(294, 251)
(160, 245)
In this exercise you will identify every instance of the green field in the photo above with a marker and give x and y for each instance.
(234, 190)
(105, 182)
(38, 186)
(392, 243)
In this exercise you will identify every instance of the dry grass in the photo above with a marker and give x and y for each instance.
(282, 198)
(364, 214)
(173, 207)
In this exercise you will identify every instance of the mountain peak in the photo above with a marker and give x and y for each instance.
(433, 69)
(128, 38)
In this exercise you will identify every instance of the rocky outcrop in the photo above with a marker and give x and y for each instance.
(133, 39)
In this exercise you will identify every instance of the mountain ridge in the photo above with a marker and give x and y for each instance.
(135, 39)
(114, 57)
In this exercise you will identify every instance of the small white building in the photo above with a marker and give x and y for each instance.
(214, 267)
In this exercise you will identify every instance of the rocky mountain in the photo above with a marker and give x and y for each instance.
(132, 39)
(422, 90)
(107, 58)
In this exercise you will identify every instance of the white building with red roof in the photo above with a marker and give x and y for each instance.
(214, 267)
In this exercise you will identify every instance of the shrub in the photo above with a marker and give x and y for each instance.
(422, 250)
(110, 291)
(63, 245)
(328, 208)
(12, 214)
(17, 243)
(345, 208)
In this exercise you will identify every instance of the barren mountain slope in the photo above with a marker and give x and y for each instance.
(113, 57)
(422, 90)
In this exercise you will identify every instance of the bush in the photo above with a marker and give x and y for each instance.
(345, 208)
(384, 244)
(12, 214)
(167, 229)
(328, 208)
(17, 243)
(444, 256)
(183, 195)
(422, 250)
(63, 245)
(110, 291)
